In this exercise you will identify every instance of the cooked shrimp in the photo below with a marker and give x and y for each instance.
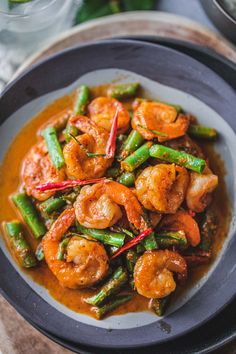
(87, 261)
(162, 188)
(153, 273)
(98, 206)
(158, 116)
(199, 191)
(182, 220)
(78, 164)
(102, 111)
(38, 168)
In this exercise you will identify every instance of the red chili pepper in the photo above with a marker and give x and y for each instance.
(133, 242)
(67, 184)
(111, 143)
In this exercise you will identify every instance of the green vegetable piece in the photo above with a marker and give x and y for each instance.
(131, 259)
(52, 204)
(180, 158)
(127, 179)
(159, 305)
(54, 147)
(62, 248)
(202, 132)
(137, 158)
(167, 239)
(70, 130)
(150, 242)
(29, 214)
(19, 244)
(105, 236)
(39, 253)
(131, 144)
(123, 91)
(113, 172)
(112, 305)
(111, 287)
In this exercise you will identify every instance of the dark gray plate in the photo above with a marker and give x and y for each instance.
(167, 67)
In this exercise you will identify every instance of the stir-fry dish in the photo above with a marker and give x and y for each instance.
(117, 193)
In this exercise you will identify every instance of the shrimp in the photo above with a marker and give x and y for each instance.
(38, 168)
(182, 220)
(162, 188)
(158, 116)
(102, 111)
(78, 164)
(87, 261)
(97, 206)
(199, 191)
(153, 273)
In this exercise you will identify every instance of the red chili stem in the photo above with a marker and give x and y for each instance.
(133, 242)
(111, 143)
(66, 184)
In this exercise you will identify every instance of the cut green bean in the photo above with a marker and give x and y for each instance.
(112, 286)
(149, 242)
(167, 239)
(54, 147)
(127, 179)
(159, 305)
(137, 158)
(52, 204)
(180, 158)
(104, 236)
(131, 259)
(39, 253)
(69, 131)
(202, 132)
(29, 214)
(19, 244)
(112, 305)
(131, 144)
(62, 248)
(123, 91)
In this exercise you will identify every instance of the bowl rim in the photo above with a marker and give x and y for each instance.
(225, 12)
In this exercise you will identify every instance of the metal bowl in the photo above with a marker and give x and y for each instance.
(222, 19)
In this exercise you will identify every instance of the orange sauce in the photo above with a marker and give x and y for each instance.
(10, 181)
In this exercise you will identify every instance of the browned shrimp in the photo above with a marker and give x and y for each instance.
(97, 206)
(153, 273)
(199, 191)
(158, 116)
(37, 168)
(102, 111)
(162, 188)
(78, 164)
(87, 261)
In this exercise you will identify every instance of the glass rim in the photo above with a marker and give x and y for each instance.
(36, 12)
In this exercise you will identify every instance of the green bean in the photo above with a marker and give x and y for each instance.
(140, 248)
(113, 304)
(150, 242)
(131, 259)
(113, 172)
(112, 286)
(39, 253)
(202, 132)
(54, 147)
(159, 305)
(29, 214)
(171, 239)
(81, 101)
(104, 236)
(52, 204)
(123, 91)
(131, 144)
(19, 244)
(137, 158)
(62, 248)
(180, 158)
(127, 179)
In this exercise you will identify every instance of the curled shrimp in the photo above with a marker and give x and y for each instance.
(78, 164)
(199, 191)
(153, 273)
(182, 220)
(87, 261)
(156, 116)
(162, 188)
(97, 206)
(38, 168)
(102, 111)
